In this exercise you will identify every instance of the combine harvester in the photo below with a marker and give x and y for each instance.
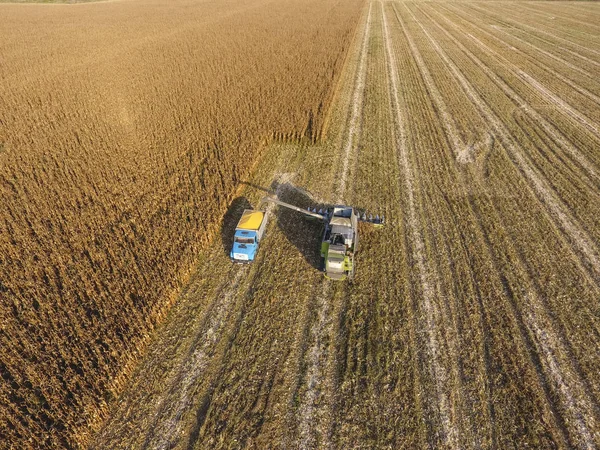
(338, 246)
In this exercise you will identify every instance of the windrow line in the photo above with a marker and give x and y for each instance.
(549, 128)
(309, 408)
(429, 281)
(574, 9)
(576, 115)
(451, 129)
(554, 72)
(540, 186)
(461, 155)
(534, 60)
(568, 12)
(312, 413)
(452, 132)
(168, 419)
(520, 26)
(446, 119)
(546, 14)
(559, 102)
(582, 8)
(574, 407)
(354, 126)
(474, 20)
(555, 340)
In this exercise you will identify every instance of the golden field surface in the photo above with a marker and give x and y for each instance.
(473, 320)
(125, 128)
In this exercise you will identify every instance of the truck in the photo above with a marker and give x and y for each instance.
(248, 234)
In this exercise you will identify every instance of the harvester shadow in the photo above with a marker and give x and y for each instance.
(230, 220)
(302, 231)
(257, 187)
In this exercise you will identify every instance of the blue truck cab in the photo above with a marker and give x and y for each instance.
(245, 246)
(248, 233)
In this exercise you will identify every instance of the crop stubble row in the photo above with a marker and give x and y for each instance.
(580, 409)
(521, 351)
(583, 139)
(571, 47)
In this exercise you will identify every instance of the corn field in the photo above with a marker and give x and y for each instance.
(125, 129)
(473, 319)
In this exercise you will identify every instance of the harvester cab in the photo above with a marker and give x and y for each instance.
(340, 237)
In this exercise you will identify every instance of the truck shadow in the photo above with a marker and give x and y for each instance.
(304, 232)
(230, 220)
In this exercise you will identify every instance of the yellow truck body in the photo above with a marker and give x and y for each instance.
(251, 220)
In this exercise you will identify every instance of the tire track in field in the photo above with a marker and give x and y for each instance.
(549, 128)
(520, 26)
(155, 390)
(357, 101)
(463, 156)
(459, 148)
(545, 92)
(574, 408)
(167, 423)
(581, 412)
(555, 207)
(169, 418)
(429, 282)
(590, 95)
(529, 349)
(473, 22)
(313, 410)
(549, 14)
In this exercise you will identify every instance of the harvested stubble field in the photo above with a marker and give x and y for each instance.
(473, 320)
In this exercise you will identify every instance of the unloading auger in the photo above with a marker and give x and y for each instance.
(340, 237)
